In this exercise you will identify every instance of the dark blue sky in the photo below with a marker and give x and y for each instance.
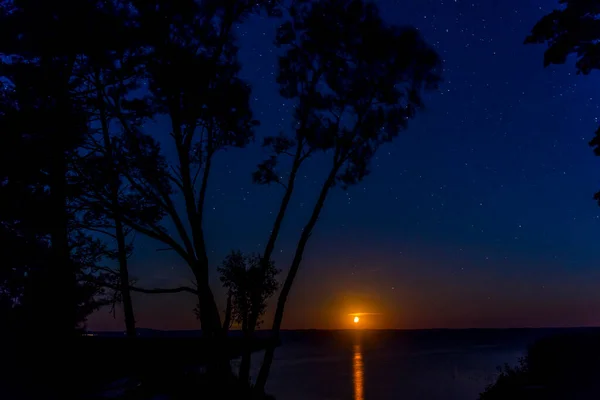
(480, 215)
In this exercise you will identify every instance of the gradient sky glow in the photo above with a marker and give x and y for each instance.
(480, 215)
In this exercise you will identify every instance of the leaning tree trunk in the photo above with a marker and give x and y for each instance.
(244, 373)
(265, 368)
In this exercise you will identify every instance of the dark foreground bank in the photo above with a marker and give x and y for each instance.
(131, 368)
(562, 366)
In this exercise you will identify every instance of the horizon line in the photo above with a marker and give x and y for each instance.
(366, 329)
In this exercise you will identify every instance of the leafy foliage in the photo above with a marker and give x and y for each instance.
(77, 69)
(43, 124)
(191, 70)
(574, 29)
(249, 284)
(352, 94)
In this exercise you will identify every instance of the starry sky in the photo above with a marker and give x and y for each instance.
(480, 215)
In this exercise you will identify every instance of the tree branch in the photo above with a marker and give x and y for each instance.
(107, 270)
(178, 289)
(164, 290)
(165, 201)
(97, 230)
(176, 179)
(283, 185)
(161, 236)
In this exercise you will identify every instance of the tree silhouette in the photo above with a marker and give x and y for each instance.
(208, 111)
(44, 47)
(38, 61)
(63, 89)
(110, 75)
(249, 286)
(356, 82)
(26, 219)
(24, 212)
(572, 30)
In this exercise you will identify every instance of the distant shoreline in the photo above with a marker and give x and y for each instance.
(262, 331)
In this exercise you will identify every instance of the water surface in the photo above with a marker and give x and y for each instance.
(381, 365)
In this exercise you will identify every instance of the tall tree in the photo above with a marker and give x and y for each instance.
(110, 75)
(40, 44)
(27, 269)
(208, 112)
(356, 82)
(24, 212)
(574, 29)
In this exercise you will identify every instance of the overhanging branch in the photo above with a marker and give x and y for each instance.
(112, 286)
(164, 291)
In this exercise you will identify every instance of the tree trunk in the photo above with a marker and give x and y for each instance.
(244, 372)
(263, 374)
(227, 319)
(284, 204)
(56, 302)
(114, 201)
(124, 278)
(275, 231)
(62, 277)
(210, 319)
(206, 321)
(217, 359)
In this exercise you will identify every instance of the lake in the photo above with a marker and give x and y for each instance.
(381, 365)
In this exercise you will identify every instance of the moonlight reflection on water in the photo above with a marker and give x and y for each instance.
(358, 373)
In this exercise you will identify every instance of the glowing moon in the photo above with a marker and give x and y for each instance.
(356, 319)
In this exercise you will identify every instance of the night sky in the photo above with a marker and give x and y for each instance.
(480, 215)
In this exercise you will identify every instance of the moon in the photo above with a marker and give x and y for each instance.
(356, 319)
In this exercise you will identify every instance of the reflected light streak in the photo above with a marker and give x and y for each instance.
(360, 314)
(358, 373)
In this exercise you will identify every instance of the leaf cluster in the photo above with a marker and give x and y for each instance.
(250, 283)
(351, 93)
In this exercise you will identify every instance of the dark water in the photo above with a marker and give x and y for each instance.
(381, 365)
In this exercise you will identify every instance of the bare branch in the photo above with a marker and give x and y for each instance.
(161, 236)
(283, 185)
(304, 156)
(98, 230)
(176, 178)
(164, 291)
